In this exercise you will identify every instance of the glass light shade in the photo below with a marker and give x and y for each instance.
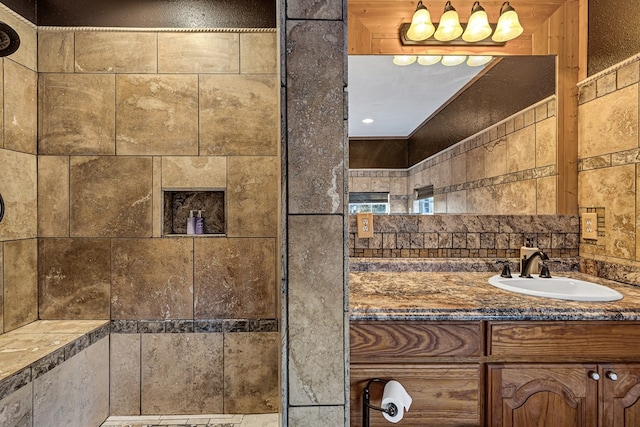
(449, 27)
(477, 60)
(508, 27)
(478, 27)
(403, 60)
(429, 59)
(421, 27)
(453, 60)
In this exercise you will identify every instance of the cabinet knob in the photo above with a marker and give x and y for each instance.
(594, 376)
(612, 376)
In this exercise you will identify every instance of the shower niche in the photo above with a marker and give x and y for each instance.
(178, 204)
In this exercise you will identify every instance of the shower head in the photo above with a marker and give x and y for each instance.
(9, 40)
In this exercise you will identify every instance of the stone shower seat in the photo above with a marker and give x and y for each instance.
(34, 349)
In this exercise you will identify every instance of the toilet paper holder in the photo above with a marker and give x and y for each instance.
(391, 409)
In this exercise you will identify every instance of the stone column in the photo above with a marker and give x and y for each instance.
(315, 322)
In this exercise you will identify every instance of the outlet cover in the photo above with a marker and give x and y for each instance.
(589, 227)
(365, 225)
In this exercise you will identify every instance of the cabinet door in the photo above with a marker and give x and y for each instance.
(620, 395)
(523, 395)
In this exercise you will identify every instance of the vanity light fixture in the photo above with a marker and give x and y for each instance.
(508, 24)
(449, 31)
(421, 27)
(478, 27)
(449, 27)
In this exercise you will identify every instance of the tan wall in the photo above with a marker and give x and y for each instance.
(122, 117)
(18, 180)
(608, 155)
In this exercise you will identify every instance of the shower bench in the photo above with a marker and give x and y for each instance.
(55, 366)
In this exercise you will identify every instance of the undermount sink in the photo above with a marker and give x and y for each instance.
(556, 287)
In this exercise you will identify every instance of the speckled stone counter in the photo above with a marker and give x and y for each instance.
(468, 296)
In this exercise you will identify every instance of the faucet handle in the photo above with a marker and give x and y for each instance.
(544, 270)
(506, 270)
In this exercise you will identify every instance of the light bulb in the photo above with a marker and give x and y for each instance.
(477, 60)
(508, 27)
(403, 60)
(453, 60)
(478, 27)
(449, 27)
(421, 27)
(429, 59)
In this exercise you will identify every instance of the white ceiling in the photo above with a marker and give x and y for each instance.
(398, 99)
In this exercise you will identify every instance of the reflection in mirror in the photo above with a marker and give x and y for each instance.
(486, 139)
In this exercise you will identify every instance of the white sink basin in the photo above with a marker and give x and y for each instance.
(556, 287)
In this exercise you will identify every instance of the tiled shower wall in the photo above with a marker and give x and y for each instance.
(608, 159)
(508, 169)
(122, 117)
(18, 180)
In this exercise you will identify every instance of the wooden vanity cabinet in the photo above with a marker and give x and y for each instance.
(518, 374)
(437, 363)
(588, 377)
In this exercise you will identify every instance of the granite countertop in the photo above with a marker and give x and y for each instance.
(442, 295)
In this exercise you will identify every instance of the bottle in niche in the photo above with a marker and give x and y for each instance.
(200, 223)
(191, 223)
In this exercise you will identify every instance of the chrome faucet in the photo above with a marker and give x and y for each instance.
(526, 264)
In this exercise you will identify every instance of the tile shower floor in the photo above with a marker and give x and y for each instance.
(258, 420)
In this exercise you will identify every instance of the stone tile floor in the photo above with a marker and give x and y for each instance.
(227, 420)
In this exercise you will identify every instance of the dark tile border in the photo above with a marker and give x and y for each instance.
(187, 326)
(15, 382)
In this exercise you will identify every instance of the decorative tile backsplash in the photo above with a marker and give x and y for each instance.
(465, 236)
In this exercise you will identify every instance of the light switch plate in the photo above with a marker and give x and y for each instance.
(589, 226)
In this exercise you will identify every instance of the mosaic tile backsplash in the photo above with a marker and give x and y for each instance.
(465, 236)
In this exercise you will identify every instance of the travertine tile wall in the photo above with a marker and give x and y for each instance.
(18, 179)
(123, 116)
(389, 181)
(608, 158)
(508, 169)
(314, 140)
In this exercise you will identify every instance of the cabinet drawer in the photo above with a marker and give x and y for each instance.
(374, 340)
(565, 339)
(443, 395)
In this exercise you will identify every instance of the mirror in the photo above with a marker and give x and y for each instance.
(455, 103)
